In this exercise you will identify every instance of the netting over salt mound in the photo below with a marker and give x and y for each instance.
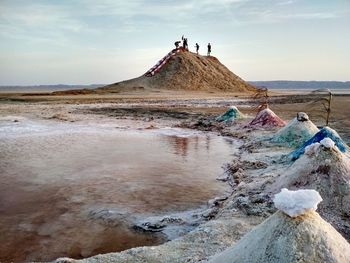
(284, 239)
(230, 115)
(326, 169)
(325, 132)
(267, 118)
(296, 132)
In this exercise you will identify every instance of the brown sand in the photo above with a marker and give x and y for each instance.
(187, 71)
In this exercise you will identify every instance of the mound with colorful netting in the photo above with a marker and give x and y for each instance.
(266, 118)
(325, 132)
(230, 115)
(296, 132)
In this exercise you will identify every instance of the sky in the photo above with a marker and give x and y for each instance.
(106, 41)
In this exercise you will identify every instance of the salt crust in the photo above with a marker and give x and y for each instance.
(296, 203)
(312, 148)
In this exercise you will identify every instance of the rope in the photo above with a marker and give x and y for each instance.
(152, 71)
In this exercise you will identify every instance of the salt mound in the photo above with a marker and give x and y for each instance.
(267, 118)
(283, 239)
(327, 170)
(296, 132)
(325, 132)
(296, 203)
(230, 115)
(297, 235)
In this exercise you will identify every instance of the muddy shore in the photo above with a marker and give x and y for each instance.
(256, 164)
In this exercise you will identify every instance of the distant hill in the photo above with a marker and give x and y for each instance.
(131, 85)
(289, 84)
(47, 88)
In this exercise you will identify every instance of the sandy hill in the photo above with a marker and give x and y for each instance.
(186, 71)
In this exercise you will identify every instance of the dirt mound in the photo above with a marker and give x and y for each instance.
(186, 71)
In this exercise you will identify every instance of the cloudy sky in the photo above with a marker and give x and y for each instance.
(105, 41)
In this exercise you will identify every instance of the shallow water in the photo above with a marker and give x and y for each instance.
(75, 190)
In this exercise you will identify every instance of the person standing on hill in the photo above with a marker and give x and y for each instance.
(185, 44)
(177, 43)
(197, 48)
(209, 49)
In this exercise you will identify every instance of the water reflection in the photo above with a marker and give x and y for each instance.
(207, 142)
(180, 144)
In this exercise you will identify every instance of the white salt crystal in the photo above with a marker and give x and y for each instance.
(312, 148)
(296, 203)
(328, 143)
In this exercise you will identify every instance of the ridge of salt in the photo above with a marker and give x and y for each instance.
(296, 203)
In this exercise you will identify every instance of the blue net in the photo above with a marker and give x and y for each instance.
(325, 132)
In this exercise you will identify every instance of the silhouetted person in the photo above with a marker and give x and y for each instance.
(177, 44)
(185, 44)
(209, 49)
(197, 48)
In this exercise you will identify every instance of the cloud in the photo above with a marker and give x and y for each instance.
(289, 2)
(310, 16)
(39, 16)
(93, 17)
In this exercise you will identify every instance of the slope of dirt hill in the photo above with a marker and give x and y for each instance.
(186, 71)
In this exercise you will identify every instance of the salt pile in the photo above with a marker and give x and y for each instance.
(230, 115)
(284, 239)
(325, 132)
(326, 169)
(296, 132)
(296, 203)
(268, 119)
